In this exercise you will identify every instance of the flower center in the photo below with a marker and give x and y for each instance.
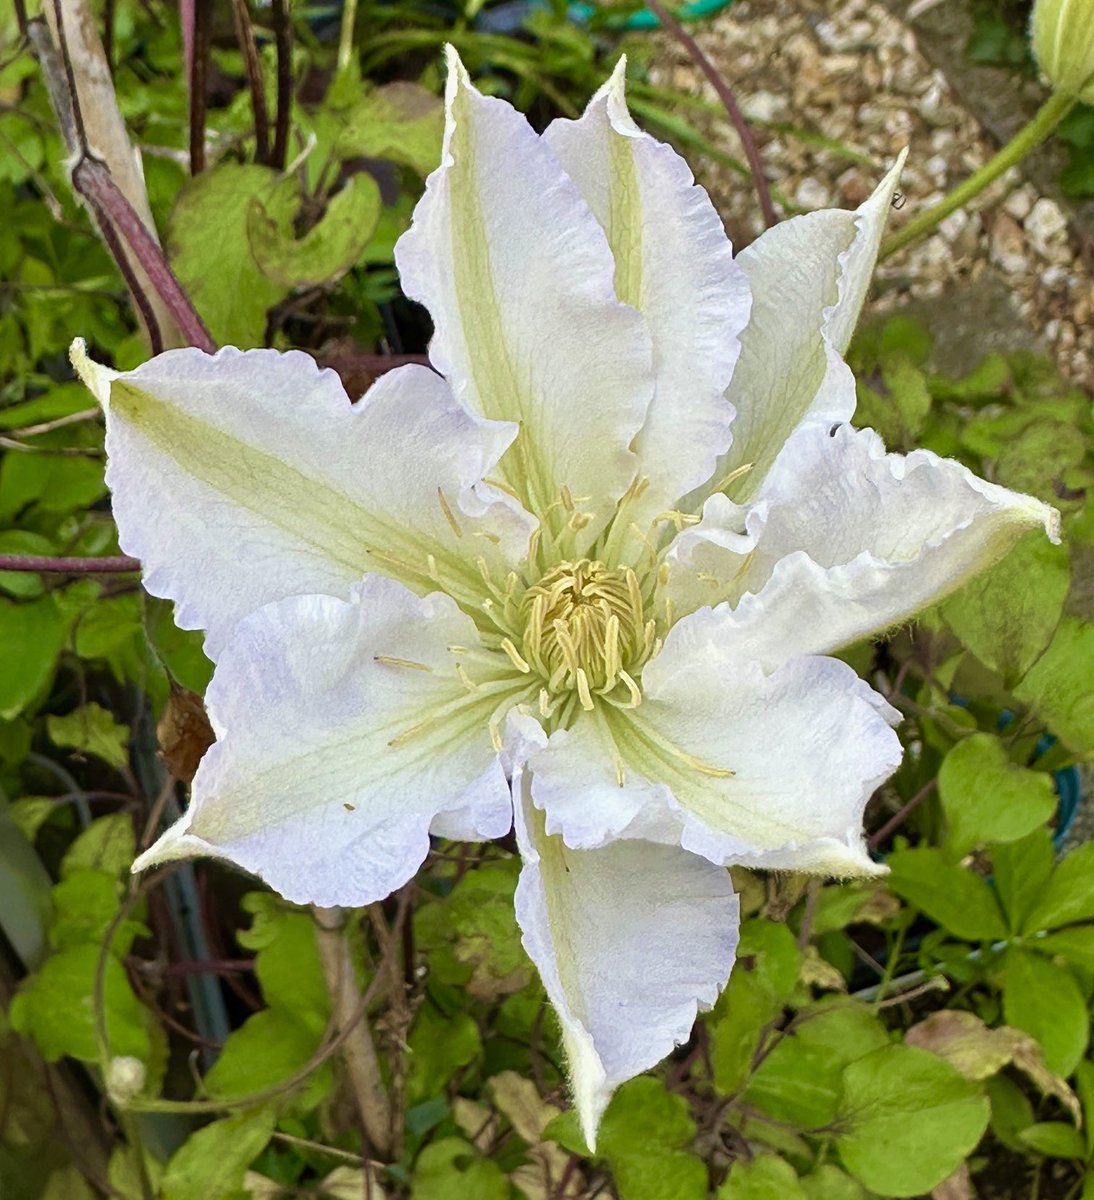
(586, 632)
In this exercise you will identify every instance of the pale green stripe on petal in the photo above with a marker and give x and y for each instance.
(809, 277)
(343, 730)
(245, 477)
(518, 278)
(631, 940)
(674, 263)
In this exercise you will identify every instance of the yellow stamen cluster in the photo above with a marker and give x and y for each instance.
(585, 632)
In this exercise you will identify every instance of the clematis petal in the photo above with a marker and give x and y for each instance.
(343, 730)
(808, 278)
(674, 264)
(630, 940)
(731, 763)
(247, 476)
(846, 541)
(517, 276)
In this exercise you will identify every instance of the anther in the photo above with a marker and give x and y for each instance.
(449, 516)
(583, 691)
(514, 656)
(388, 661)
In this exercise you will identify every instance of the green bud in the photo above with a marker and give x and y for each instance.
(1063, 43)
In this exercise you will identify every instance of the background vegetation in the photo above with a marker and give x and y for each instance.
(175, 1037)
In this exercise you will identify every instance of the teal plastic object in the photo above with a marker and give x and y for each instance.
(695, 10)
(509, 18)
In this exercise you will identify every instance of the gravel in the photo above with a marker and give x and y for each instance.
(850, 72)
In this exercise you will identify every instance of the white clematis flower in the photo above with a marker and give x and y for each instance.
(589, 572)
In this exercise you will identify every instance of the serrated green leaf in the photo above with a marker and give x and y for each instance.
(212, 1161)
(909, 1120)
(210, 252)
(91, 730)
(987, 799)
(328, 249)
(954, 897)
(1044, 1000)
(1007, 616)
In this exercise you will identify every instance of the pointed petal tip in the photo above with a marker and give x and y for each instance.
(172, 845)
(1052, 524)
(95, 377)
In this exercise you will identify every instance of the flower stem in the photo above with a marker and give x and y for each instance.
(117, 564)
(358, 1052)
(1028, 138)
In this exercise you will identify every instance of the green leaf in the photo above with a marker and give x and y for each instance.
(56, 1008)
(91, 730)
(828, 1182)
(765, 1177)
(955, 898)
(401, 122)
(987, 799)
(31, 637)
(210, 251)
(452, 1169)
(1057, 687)
(472, 937)
(439, 1046)
(743, 1010)
(1044, 1000)
(1054, 1139)
(909, 1120)
(52, 483)
(1022, 869)
(1068, 896)
(1011, 1111)
(212, 1161)
(1075, 945)
(24, 892)
(107, 844)
(287, 963)
(643, 1134)
(266, 1050)
(328, 249)
(26, 584)
(778, 958)
(84, 904)
(799, 1081)
(1007, 615)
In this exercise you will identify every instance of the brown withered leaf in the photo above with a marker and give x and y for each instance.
(979, 1052)
(184, 733)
